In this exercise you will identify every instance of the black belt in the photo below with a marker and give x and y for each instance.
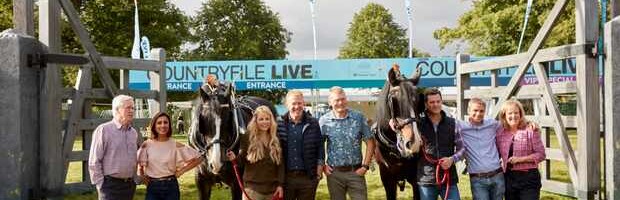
(166, 178)
(347, 168)
(486, 174)
(118, 179)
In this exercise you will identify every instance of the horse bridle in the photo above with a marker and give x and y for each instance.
(400, 124)
(234, 105)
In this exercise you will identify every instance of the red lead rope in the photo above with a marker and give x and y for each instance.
(234, 162)
(446, 173)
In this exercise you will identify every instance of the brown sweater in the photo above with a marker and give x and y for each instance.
(263, 176)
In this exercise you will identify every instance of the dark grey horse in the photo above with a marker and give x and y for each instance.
(218, 119)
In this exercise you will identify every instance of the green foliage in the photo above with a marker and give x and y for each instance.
(374, 34)
(110, 24)
(6, 14)
(275, 96)
(238, 30)
(181, 95)
(493, 28)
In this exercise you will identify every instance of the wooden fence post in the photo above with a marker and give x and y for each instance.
(52, 181)
(462, 84)
(23, 16)
(612, 109)
(588, 112)
(158, 83)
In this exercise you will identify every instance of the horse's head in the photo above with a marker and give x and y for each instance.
(400, 103)
(214, 112)
(215, 99)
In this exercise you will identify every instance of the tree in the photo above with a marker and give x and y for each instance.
(110, 24)
(6, 14)
(493, 28)
(374, 34)
(238, 30)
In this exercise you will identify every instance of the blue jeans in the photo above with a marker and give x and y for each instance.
(163, 190)
(431, 192)
(488, 188)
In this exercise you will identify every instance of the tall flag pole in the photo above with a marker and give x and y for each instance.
(410, 20)
(135, 50)
(313, 25)
(528, 9)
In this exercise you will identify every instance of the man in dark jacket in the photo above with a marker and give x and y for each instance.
(302, 148)
(443, 147)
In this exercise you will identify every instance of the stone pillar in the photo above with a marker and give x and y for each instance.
(19, 121)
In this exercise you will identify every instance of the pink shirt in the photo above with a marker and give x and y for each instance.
(162, 159)
(112, 152)
(526, 142)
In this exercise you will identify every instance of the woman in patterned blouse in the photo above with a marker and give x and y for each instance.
(521, 150)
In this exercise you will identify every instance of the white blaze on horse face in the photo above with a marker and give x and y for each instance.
(409, 140)
(215, 161)
(417, 138)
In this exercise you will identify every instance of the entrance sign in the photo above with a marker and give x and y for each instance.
(317, 74)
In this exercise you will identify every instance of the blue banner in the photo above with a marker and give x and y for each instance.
(315, 74)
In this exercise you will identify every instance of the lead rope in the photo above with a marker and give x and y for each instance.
(234, 162)
(446, 172)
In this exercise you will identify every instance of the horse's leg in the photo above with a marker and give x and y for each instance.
(235, 191)
(415, 189)
(230, 179)
(389, 183)
(204, 183)
(411, 178)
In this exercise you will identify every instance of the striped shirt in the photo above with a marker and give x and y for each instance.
(526, 142)
(113, 152)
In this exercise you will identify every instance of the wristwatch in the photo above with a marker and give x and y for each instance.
(366, 167)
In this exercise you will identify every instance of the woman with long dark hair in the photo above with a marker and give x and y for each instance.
(161, 160)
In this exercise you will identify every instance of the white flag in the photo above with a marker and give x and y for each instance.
(408, 8)
(146, 47)
(313, 25)
(528, 9)
(135, 50)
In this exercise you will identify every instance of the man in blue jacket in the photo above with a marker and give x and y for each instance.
(302, 147)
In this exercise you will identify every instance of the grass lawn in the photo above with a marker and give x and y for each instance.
(375, 188)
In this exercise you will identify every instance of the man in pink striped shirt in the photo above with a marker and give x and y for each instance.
(113, 159)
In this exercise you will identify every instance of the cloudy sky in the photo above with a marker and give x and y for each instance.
(333, 18)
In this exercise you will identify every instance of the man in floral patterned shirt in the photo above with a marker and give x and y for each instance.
(344, 130)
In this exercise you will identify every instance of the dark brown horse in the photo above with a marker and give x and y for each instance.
(398, 144)
(218, 119)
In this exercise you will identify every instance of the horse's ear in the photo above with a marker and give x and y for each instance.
(229, 89)
(394, 77)
(421, 103)
(415, 78)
